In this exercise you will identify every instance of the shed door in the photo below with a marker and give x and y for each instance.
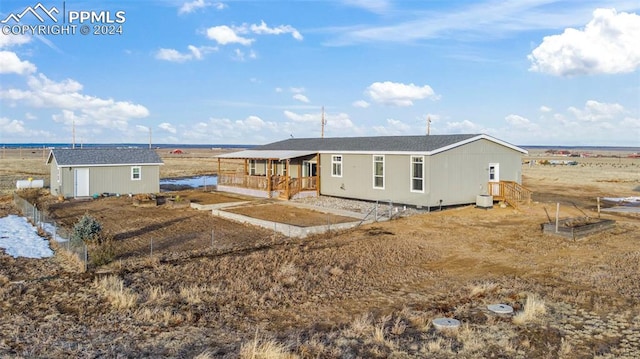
(81, 182)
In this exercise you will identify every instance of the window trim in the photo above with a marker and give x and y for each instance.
(412, 175)
(374, 171)
(252, 167)
(336, 164)
(133, 177)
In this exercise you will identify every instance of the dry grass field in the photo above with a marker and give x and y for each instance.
(369, 292)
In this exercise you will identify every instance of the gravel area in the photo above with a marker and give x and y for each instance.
(357, 206)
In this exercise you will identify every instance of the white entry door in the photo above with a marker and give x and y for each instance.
(81, 182)
(494, 178)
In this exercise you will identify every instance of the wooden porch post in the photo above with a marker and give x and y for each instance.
(246, 173)
(318, 175)
(286, 178)
(219, 174)
(300, 176)
(268, 175)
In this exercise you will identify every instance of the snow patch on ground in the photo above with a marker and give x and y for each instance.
(19, 238)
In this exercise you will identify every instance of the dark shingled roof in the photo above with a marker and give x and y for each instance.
(379, 143)
(104, 156)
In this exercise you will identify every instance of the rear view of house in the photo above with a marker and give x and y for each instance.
(85, 172)
(424, 171)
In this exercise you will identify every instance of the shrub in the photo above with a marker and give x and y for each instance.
(102, 252)
(87, 230)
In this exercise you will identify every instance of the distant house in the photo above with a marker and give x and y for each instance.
(424, 171)
(85, 172)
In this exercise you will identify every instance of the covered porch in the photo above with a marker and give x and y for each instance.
(271, 174)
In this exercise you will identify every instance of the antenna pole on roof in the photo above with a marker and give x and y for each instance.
(323, 123)
(428, 125)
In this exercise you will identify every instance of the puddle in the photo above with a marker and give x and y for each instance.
(173, 184)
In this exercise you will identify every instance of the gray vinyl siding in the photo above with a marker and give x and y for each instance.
(458, 175)
(455, 176)
(116, 179)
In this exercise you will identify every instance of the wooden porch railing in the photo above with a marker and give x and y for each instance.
(297, 185)
(513, 193)
(241, 180)
(288, 187)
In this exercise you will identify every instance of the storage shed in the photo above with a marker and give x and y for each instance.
(88, 171)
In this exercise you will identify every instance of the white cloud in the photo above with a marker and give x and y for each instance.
(630, 122)
(167, 127)
(195, 53)
(11, 63)
(17, 129)
(282, 29)
(278, 89)
(472, 21)
(304, 125)
(399, 94)
(224, 35)
(189, 7)
(609, 44)
(595, 111)
(393, 128)
(545, 109)
(360, 104)
(517, 121)
(300, 97)
(376, 6)
(13, 40)
(297, 89)
(302, 118)
(465, 126)
(520, 123)
(66, 96)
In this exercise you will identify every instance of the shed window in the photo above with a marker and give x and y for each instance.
(252, 167)
(136, 173)
(417, 174)
(336, 166)
(378, 172)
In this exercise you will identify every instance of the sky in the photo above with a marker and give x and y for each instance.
(529, 72)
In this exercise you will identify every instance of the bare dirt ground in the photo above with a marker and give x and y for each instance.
(289, 215)
(367, 292)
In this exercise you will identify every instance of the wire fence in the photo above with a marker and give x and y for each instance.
(45, 224)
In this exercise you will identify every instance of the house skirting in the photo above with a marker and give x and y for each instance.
(263, 194)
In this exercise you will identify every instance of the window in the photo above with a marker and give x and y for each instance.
(494, 172)
(417, 174)
(252, 167)
(59, 174)
(378, 172)
(136, 173)
(283, 167)
(336, 166)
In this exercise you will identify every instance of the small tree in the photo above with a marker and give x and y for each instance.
(87, 230)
